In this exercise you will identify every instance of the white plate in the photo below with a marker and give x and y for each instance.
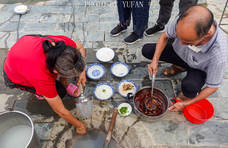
(120, 69)
(129, 109)
(95, 71)
(105, 54)
(21, 9)
(123, 92)
(103, 91)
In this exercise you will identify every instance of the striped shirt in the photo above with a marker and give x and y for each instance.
(211, 58)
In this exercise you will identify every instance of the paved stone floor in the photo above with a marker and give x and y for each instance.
(90, 23)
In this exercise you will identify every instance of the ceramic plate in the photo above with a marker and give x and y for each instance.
(103, 91)
(127, 86)
(119, 69)
(105, 54)
(95, 71)
(124, 109)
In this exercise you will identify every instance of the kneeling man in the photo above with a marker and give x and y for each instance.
(199, 47)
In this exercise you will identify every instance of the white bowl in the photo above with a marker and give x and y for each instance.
(119, 69)
(129, 109)
(103, 91)
(105, 54)
(124, 93)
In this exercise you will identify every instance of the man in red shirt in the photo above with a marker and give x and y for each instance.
(34, 63)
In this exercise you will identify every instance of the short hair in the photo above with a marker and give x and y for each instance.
(202, 26)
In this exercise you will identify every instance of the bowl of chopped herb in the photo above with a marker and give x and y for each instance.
(124, 109)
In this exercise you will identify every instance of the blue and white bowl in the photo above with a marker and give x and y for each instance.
(95, 71)
(123, 92)
(103, 91)
(119, 69)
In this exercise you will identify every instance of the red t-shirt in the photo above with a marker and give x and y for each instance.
(25, 64)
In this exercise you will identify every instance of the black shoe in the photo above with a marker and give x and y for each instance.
(153, 30)
(118, 30)
(132, 38)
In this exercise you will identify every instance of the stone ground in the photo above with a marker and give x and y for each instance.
(90, 22)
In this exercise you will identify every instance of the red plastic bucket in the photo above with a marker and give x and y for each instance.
(198, 112)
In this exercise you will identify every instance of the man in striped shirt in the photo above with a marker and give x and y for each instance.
(199, 47)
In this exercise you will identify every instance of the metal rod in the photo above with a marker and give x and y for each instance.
(223, 12)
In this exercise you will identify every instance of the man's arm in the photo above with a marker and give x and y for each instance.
(160, 46)
(162, 42)
(207, 91)
(57, 105)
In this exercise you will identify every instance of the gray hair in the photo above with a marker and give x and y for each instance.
(70, 63)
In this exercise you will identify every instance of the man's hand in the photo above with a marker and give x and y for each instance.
(82, 79)
(153, 67)
(179, 106)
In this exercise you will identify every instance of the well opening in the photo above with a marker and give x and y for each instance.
(125, 134)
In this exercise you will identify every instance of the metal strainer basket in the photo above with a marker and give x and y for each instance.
(84, 104)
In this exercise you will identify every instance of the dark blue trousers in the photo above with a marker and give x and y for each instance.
(140, 14)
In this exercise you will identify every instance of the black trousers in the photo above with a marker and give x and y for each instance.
(166, 7)
(193, 81)
(59, 87)
(140, 13)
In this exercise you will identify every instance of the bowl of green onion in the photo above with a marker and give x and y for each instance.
(124, 109)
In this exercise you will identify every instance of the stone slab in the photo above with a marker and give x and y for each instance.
(11, 26)
(211, 132)
(223, 89)
(43, 130)
(94, 36)
(226, 72)
(221, 111)
(39, 27)
(208, 146)
(168, 132)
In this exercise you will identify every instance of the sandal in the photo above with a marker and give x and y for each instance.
(172, 70)
(71, 88)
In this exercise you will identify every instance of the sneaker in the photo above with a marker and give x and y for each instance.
(132, 38)
(153, 30)
(118, 30)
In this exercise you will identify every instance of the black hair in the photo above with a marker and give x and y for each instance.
(202, 25)
(53, 51)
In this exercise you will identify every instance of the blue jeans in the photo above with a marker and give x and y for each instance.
(140, 13)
